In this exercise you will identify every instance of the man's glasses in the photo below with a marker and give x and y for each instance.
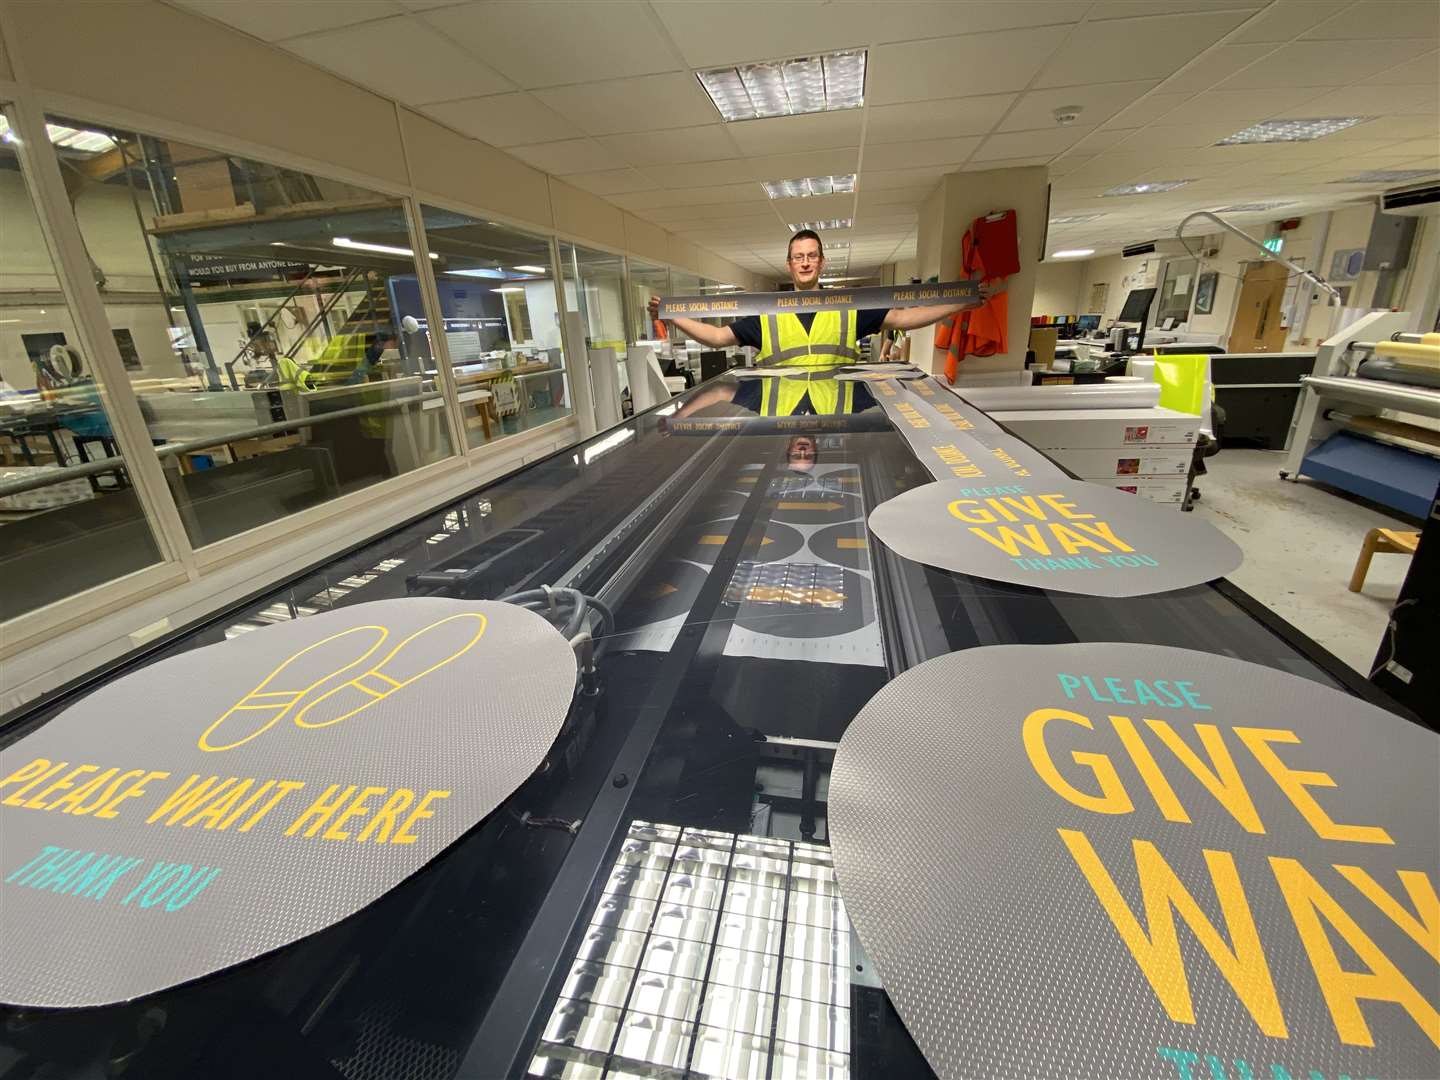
(806, 258)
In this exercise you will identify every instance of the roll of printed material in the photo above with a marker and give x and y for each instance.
(1137, 395)
(1123, 379)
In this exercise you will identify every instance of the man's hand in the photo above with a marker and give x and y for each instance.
(990, 288)
(654, 307)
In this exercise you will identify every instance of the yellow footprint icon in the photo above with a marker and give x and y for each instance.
(264, 707)
(428, 649)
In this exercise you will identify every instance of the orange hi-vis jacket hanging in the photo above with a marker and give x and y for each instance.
(989, 248)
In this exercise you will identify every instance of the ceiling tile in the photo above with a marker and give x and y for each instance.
(1148, 109)
(708, 142)
(643, 103)
(1047, 144)
(1215, 66)
(1152, 48)
(504, 119)
(1375, 19)
(977, 165)
(1164, 136)
(1097, 104)
(817, 207)
(611, 181)
(955, 66)
(1287, 19)
(1069, 163)
(1424, 71)
(907, 196)
(925, 152)
(1097, 142)
(946, 117)
(695, 174)
(1238, 107)
(560, 41)
(1371, 101)
(816, 163)
(1130, 9)
(367, 54)
(884, 176)
(790, 134)
(272, 22)
(1322, 63)
(568, 156)
(742, 31)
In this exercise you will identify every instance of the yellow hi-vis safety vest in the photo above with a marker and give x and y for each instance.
(830, 341)
(782, 395)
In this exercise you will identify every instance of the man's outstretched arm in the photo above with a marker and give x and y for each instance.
(915, 317)
(714, 337)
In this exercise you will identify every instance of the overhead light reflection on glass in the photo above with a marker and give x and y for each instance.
(384, 249)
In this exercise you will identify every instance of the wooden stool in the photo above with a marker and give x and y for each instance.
(1385, 541)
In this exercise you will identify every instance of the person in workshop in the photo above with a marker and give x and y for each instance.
(812, 340)
(376, 346)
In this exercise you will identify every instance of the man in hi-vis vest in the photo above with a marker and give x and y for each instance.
(814, 339)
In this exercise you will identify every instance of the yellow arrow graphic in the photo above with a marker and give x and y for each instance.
(810, 506)
(664, 589)
(850, 543)
(716, 539)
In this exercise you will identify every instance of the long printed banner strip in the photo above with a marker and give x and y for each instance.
(957, 443)
(944, 444)
(773, 303)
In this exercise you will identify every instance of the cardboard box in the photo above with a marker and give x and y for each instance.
(1101, 465)
(1161, 489)
(1097, 429)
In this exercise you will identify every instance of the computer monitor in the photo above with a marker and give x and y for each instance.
(1087, 324)
(1137, 304)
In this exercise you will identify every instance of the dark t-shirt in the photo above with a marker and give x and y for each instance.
(867, 321)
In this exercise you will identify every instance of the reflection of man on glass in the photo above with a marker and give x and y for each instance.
(815, 338)
(803, 393)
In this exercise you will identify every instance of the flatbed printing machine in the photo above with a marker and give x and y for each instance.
(752, 622)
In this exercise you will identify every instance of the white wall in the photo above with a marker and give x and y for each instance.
(1057, 289)
(1349, 228)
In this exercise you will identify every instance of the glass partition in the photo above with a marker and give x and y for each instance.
(646, 280)
(502, 329)
(594, 286)
(69, 515)
(258, 311)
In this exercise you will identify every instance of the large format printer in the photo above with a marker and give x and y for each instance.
(1369, 423)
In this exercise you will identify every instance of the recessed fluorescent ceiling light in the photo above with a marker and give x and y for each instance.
(69, 138)
(1293, 130)
(1145, 189)
(807, 84)
(478, 271)
(1251, 207)
(832, 223)
(384, 249)
(809, 185)
(1386, 176)
(1074, 219)
(1072, 253)
(532, 269)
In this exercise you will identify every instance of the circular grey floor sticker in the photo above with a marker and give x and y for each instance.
(1119, 860)
(845, 544)
(1064, 535)
(225, 802)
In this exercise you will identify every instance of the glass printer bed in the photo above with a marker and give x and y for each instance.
(658, 899)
